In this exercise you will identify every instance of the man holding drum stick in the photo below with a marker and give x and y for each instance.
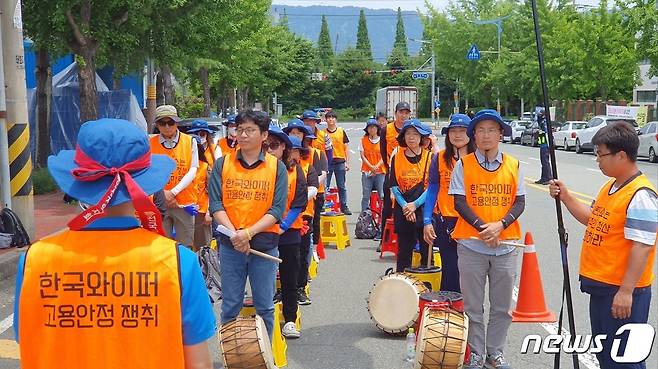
(248, 192)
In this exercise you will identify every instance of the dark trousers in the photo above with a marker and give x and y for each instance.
(600, 305)
(319, 203)
(304, 250)
(288, 272)
(448, 247)
(544, 156)
(407, 240)
(387, 206)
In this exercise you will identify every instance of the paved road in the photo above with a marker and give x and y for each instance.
(336, 328)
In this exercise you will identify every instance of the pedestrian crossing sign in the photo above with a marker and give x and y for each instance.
(473, 53)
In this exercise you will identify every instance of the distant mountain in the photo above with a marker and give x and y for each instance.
(344, 21)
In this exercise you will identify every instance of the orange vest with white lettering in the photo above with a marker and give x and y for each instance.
(226, 149)
(446, 204)
(201, 185)
(490, 194)
(102, 300)
(408, 174)
(391, 139)
(292, 186)
(337, 138)
(373, 154)
(182, 155)
(248, 194)
(605, 252)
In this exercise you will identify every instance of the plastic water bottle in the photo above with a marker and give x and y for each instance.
(411, 346)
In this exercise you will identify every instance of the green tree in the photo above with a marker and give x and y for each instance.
(325, 51)
(362, 39)
(352, 87)
(641, 18)
(400, 36)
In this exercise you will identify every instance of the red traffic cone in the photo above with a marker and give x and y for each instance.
(320, 251)
(531, 305)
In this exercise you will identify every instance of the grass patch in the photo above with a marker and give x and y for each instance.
(43, 182)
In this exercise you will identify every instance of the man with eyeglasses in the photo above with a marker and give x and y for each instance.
(179, 192)
(619, 246)
(489, 196)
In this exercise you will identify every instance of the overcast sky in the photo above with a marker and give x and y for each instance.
(384, 4)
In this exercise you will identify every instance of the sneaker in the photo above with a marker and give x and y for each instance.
(302, 297)
(474, 362)
(543, 182)
(346, 211)
(290, 330)
(497, 361)
(277, 296)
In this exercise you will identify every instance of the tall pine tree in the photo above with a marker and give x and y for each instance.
(362, 39)
(283, 20)
(325, 50)
(400, 36)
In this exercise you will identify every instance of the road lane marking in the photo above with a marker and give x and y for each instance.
(353, 152)
(530, 183)
(587, 359)
(534, 159)
(9, 349)
(524, 162)
(6, 323)
(593, 170)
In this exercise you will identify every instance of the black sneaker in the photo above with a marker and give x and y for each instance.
(346, 211)
(277, 296)
(542, 182)
(302, 297)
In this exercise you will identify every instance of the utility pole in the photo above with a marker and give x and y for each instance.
(5, 178)
(499, 27)
(18, 129)
(434, 89)
(151, 95)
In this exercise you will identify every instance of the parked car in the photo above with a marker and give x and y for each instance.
(530, 135)
(518, 126)
(584, 137)
(649, 141)
(527, 116)
(566, 136)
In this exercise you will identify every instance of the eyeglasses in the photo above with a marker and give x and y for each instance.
(485, 131)
(248, 131)
(167, 122)
(271, 145)
(598, 155)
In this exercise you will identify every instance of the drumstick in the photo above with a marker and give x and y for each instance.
(506, 243)
(228, 233)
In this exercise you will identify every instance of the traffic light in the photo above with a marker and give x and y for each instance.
(367, 72)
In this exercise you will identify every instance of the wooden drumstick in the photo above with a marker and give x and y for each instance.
(228, 233)
(506, 243)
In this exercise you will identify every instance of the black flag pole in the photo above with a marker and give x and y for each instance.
(566, 285)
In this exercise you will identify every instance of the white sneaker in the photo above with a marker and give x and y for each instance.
(290, 330)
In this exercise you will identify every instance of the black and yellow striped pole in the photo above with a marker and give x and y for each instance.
(18, 132)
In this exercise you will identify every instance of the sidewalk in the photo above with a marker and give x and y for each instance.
(51, 214)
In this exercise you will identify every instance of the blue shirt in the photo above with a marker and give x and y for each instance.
(196, 310)
(457, 188)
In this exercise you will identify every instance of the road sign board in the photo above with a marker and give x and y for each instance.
(437, 104)
(420, 75)
(473, 53)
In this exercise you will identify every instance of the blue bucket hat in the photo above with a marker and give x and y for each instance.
(424, 130)
(111, 143)
(372, 122)
(310, 114)
(229, 120)
(489, 114)
(199, 125)
(297, 123)
(277, 132)
(457, 120)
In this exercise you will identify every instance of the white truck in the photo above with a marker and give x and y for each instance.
(388, 97)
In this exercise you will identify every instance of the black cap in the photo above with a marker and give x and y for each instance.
(402, 105)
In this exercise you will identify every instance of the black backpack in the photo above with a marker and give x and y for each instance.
(10, 224)
(210, 268)
(366, 227)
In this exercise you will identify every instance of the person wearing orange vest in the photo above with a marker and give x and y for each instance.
(409, 176)
(322, 141)
(440, 220)
(339, 164)
(619, 247)
(112, 291)
(205, 133)
(317, 162)
(372, 166)
(248, 192)
(229, 144)
(179, 191)
(489, 196)
(203, 219)
(387, 144)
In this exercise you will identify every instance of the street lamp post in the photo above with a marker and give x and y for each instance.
(499, 26)
(433, 72)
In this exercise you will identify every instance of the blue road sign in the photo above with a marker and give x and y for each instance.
(420, 75)
(437, 104)
(473, 53)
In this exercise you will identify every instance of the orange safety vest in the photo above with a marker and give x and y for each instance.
(320, 141)
(408, 174)
(310, 207)
(337, 137)
(182, 155)
(248, 194)
(391, 139)
(201, 184)
(605, 252)
(446, 204)
(209, 154)
(101, 299)
(373, 154)
(292, 186)
(311, 160)
(226, 149)
(490, 194)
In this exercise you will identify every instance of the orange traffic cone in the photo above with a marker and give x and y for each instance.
(320, 251)
(531, 305)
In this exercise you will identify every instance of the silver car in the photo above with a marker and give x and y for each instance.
(566, 136)
(649, 141)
